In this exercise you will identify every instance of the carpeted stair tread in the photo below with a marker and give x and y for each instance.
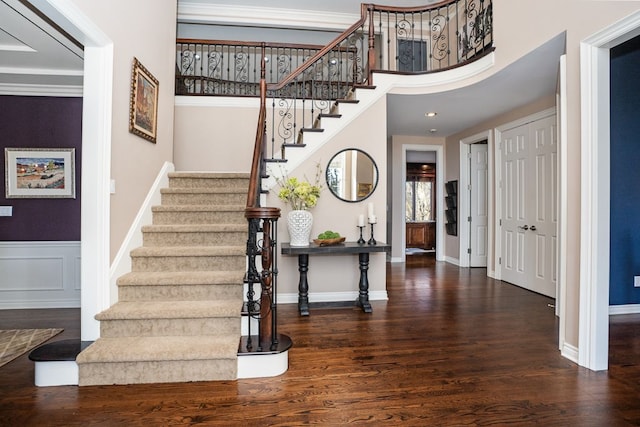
(166, 348)
(188, 251)
(199, 190)
(172, 278)
(198, 208)
(136, 310)
(210, 175)
(194, 228)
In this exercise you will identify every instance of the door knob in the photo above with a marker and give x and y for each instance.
(533, 228)
(525, 227)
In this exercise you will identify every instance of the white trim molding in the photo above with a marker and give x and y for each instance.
(464, 210)
(122, 261)
(40, 90)
(258, 16)
(615, 310)
(593, 351)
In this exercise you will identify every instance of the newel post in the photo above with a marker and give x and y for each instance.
(372, 42)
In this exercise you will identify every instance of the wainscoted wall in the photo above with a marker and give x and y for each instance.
(39, 243)
(39, 275)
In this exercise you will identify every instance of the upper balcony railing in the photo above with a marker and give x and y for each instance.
(386, 39)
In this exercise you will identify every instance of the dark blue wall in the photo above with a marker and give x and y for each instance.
(625, 173)
(41, 122)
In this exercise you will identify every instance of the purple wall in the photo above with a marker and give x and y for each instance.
(41, 122)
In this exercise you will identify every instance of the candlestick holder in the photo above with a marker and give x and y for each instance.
(372, 241)
(361, 240)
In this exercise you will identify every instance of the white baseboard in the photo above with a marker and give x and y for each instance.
(54, 275)
(570, 352)
(122, 261)
(332, 297)
(615, 310)
(451, 260)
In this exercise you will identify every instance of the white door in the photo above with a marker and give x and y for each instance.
(478, 207)
(515, 147)
(529, 185)
(543, 220)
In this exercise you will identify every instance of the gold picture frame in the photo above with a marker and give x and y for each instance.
(40, 173)
(143, 108)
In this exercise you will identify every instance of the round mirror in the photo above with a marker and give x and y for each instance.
(352, 175)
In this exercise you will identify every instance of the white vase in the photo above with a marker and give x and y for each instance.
(299, 223)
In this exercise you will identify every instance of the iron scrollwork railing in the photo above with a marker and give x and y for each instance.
(232, 68)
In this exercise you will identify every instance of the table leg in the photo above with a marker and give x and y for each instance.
(303, 285)
(363, 294)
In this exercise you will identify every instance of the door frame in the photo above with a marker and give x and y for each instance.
(464, 208)
(96, 160)
(439, 149)
(593, 333)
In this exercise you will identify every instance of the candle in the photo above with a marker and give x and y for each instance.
(372, 219)
(361, 220)
(370, 211)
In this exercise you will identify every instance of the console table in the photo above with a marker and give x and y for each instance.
(346, 248)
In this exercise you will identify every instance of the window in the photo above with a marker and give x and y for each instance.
(420, 194)
(412, 55)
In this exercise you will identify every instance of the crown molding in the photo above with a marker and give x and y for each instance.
(40, 90)
(189, 12)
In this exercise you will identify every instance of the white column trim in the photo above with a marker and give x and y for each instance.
(96, 161)
(593, 348)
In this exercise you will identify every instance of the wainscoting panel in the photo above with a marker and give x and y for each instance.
(39, 275)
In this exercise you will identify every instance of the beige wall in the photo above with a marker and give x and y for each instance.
(145, 30)
(217, 139)
(334, 274)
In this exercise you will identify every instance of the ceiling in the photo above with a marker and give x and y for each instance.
(33, 54)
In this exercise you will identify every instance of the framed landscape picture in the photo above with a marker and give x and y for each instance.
(143, 108)
(40, 172)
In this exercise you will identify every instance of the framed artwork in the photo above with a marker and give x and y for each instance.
(143, 108)
(40, 172)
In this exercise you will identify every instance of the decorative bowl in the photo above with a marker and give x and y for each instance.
(327, 242)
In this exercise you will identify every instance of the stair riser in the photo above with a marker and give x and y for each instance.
(157, 372)
(169, 327)
(242, 184)
(208, 199)
(187, 263)
(153, 239)
(179, 292)
(195, 217)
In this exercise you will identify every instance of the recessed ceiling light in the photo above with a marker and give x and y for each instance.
(430, 114)
(433, 130)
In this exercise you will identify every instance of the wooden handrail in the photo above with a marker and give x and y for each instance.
(258, 147)
(250, 44)
(322, 52)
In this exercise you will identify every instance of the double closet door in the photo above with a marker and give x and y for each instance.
(529, 206)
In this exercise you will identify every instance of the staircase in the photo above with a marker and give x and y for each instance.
(177, 318)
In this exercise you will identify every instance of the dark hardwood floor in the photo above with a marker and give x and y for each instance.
(450, 348)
